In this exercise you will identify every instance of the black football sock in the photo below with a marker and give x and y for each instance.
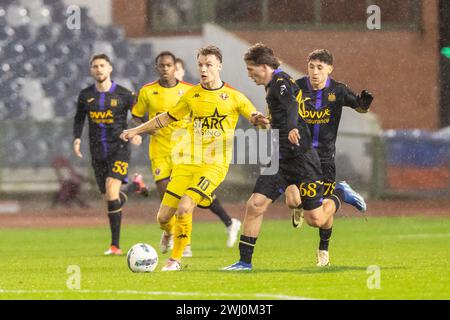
(246, 247)
(338, 197)
(325, 235)
(123, 198)
(219, 211)
(115, 219)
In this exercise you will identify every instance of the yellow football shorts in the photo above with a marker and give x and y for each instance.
(196, 181)
(161, 168)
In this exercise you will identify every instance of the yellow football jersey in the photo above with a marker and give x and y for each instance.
(214, 115)
(155, 99)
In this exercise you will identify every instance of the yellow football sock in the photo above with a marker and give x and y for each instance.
(182, 235)
(169, 227)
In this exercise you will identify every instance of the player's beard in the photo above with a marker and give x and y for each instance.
(100, 81)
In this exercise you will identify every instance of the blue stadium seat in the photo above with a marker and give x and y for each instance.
(113, 34)
(47, 33)
(121, 49)
(6, 33)
(144, 52)
(17, 109)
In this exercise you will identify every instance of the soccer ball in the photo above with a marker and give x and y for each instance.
(142, 258)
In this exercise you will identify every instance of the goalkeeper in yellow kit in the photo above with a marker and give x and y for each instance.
(155, 98)
(215, 108)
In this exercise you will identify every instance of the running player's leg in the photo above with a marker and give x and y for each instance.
(161, 170)
(114, 212)
(166, 219)
(183, 226)
(294, 202)
(329, 173)
(101, 172)
(172, 223)
(267, 189)
(116, 173)
(167, 226)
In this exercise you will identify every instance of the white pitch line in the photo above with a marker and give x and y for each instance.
(161, 293)
(422, 235)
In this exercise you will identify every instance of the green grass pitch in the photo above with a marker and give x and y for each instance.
(411, 256)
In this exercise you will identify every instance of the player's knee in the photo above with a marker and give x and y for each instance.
(292, 203)
(183, 208)
(162, 219)
(314, 220)
(255, 206)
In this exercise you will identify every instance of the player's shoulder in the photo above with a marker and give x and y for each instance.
(338, 84)
(193, 89)
(122, 90)
(302, 82)
(230, 90)
(283, 78)
(88, 90)
(150, 85)
(185, 84)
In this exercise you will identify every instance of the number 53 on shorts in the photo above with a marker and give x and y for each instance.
(120, 167)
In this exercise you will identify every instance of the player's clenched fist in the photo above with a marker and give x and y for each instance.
(294, 137)
(76, 148)
(136, 140)
(258, 119)
(127, 134)
(364, 101)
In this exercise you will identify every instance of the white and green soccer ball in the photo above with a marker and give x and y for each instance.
(142, 257)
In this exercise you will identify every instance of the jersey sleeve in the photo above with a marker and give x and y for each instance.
(80, 117)
(132, 99)
(245, 106)
(354, 101)
(181, 109)
(350, 98)
(140, 107)
(285, 92)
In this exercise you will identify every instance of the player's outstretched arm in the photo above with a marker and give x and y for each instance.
(158, 122)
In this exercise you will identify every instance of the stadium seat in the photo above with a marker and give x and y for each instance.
(121, 49)
(6, 33)
(43, 67)
(17, 109)
(113, 34)
(17, 15)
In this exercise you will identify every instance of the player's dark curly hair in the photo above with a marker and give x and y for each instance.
(210, 50)
(100, 56)
(259, 54)
(165, 53)
(323, 55)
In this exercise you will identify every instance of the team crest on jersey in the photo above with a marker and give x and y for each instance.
(331, 97)
(113, 102)
(180, 93)
(224, 96)
(197, 95)
(157, 171)
(155, 92)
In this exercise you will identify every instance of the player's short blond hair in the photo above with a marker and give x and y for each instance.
(210, 50)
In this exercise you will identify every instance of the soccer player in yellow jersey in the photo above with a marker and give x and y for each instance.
(215, 108)
(155, 98)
